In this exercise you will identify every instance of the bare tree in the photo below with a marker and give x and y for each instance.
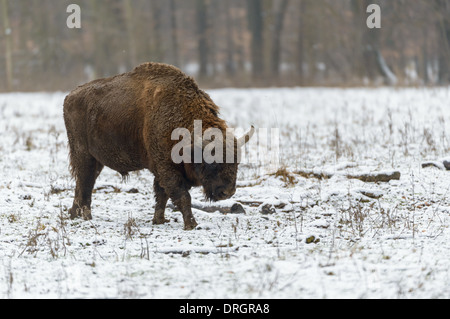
(300, 55)
(371, 61)
(256, 27)
(443, 25)
(157, 48)
(230, 65)
(129, 19)
(8, 45)
(174, 32)
(202, 33)
(276, 37)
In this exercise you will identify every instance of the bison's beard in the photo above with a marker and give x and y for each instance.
(209, 195)
(215, 195)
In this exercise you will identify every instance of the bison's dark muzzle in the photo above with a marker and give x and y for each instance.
(222, 193)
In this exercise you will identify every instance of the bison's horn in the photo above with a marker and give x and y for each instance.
(247, 136)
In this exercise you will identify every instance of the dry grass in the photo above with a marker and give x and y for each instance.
(287, 177)
(45, 237)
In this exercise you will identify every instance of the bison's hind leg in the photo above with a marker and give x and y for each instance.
(85, 169)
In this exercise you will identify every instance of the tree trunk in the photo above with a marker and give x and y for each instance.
(370, 62)
(276, 38)
(8, 45)
(174, 33)
(255, 24)
(128, 10)
(443, 8)
(202, 31)
(230, 66)
(157, 48)
(300, 59)
(100, 49)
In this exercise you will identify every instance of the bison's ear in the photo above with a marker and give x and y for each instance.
(246, 138)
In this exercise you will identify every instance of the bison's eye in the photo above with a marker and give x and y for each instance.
(223, 192)
(219, 192)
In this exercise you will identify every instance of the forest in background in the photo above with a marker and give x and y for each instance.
(226, 43)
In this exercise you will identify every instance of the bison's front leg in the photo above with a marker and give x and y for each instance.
(161, 201)
(177, 190)
(183, 202)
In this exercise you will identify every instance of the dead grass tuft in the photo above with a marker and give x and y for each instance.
(288, 179)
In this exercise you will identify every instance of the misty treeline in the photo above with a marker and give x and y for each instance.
(241, 43)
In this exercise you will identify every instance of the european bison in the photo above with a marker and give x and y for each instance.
(126, 122)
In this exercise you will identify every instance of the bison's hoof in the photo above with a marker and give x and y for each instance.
(190, 226)
(160, 221)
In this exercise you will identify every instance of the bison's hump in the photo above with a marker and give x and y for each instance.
(161, 71)
(158, 69)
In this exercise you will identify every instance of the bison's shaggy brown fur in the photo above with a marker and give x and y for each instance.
(125, 122)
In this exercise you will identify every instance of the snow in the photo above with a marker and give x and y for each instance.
(325, 238)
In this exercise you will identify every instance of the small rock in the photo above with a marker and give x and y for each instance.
(443, 164)
(268, 210)
(447, 165)
(374, 194)
(312, 240)
(237, 209)
(377, 177)
(433, 164)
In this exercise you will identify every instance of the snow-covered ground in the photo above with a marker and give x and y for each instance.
(334, 237)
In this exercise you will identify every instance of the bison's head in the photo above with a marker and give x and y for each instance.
(217, 171)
